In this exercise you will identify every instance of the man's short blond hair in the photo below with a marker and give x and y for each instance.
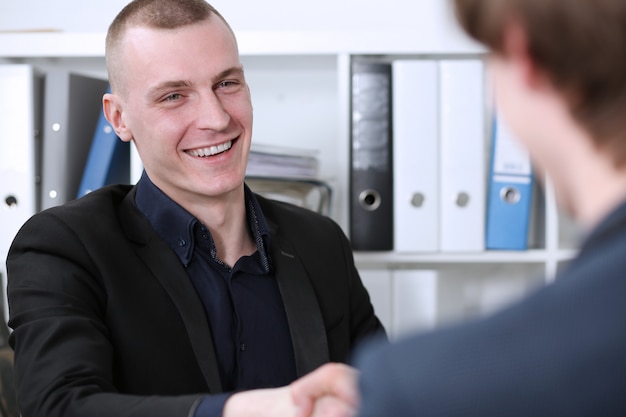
(156, 14)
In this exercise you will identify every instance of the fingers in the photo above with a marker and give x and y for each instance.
(329, 380)
(329, 406)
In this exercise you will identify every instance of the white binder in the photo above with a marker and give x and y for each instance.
(416, 154)
(462, 163)
(19, 151)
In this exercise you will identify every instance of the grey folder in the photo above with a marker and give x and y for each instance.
(72, 105)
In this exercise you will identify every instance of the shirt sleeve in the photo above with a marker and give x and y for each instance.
(211, 405)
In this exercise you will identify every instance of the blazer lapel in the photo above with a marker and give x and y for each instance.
(308, 333)
(166, 268)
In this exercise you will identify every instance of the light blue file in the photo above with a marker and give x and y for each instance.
(510, 194)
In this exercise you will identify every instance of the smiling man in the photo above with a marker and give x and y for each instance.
(165, 298)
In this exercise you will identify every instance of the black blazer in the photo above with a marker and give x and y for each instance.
(101, 306)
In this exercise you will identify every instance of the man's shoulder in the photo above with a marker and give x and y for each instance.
(102, 199)
(98, 207)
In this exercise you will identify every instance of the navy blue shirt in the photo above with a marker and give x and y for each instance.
(242, 302)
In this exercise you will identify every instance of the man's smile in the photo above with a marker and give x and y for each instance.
(211, 150)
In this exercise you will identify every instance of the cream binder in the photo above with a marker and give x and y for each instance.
(415, 155)
(19, 151)
(463, 168)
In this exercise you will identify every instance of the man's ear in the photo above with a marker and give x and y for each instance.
(113, 111)
(516, 48)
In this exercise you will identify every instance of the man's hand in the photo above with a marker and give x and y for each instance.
(268, 402)
(329, 391)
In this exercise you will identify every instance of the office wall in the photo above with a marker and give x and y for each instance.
(416, 17)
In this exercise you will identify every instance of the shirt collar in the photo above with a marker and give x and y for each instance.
(175, 225)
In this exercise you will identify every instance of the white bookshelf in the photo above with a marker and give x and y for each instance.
(300, 89)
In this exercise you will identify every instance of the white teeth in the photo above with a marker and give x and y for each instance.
(213, 150)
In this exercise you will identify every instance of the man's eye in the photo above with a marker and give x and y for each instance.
(173, 97)
(228, 83)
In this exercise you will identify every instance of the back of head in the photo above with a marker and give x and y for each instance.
(156, 14)
(579, 44)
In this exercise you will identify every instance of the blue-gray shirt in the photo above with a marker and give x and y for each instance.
(242, 303)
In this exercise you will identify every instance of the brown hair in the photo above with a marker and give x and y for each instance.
(579, 44)
(157, 14)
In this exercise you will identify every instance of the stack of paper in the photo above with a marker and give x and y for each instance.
(282, 162)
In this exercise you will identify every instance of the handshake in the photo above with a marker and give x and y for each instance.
(329, 391)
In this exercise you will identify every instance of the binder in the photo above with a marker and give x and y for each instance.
(371, 168)
(108, 161)
(511, 184)
(72, 105)
(462, 155)
(415, 155)
(414, 301)
(20, 149)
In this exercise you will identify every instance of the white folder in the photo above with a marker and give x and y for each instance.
(416, 154)
(414, 300)
(19, 147)
(462, 162)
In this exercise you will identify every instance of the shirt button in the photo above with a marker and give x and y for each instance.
(242, 347)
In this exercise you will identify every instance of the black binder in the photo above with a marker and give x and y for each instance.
(371, 165)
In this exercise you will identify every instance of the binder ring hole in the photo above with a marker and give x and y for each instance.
(10, 201)
(510, 195)
(417, 200)
(462, 199)
(369, 200)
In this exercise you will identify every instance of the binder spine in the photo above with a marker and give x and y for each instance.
(20, 152)
(72, 103)
(462, 147)
(416, 155)
(511, 185)
(371, 160)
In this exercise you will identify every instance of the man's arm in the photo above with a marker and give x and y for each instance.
(64, 355)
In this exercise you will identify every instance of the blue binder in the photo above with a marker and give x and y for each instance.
(108, 161)
(510, 192)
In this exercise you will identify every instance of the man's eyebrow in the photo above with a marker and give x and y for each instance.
(230, 72)
(155, 91)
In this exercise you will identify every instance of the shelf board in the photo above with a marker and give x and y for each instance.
(394, 259)
(91, 44)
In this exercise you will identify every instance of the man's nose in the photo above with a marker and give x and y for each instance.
(211, 113)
